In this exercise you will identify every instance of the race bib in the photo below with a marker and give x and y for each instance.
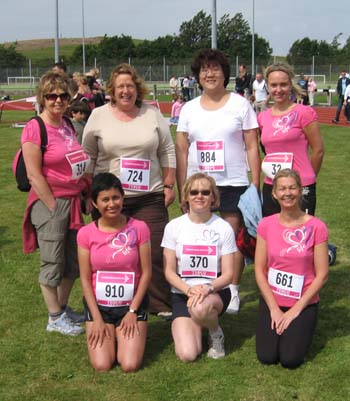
(114, 288)
(286, 284)
(210, 155)
(79, 162)
(135, 174)
(274, 162)
(199, 261)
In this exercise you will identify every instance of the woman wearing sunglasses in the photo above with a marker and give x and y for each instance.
(53, 213)
(199, 249)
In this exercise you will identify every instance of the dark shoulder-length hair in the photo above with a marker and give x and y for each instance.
(211, 56)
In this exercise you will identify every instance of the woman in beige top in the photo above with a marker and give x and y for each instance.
(132, 140)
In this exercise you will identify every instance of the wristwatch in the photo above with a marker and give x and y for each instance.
(132, 310)
(169, 186)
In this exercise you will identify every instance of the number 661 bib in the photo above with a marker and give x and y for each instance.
(285, 283)
(114, 288)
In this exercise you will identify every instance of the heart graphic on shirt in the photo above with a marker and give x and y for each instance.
(297, 238)
(211, 236)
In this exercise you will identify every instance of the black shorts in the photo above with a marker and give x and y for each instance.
(179, 303)
(271, 206)
(114, 315)
(229, 198)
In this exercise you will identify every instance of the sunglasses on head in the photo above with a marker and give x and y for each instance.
(204, 192)
(53, 96)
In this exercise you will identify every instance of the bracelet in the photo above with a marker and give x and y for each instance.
(211, 289)
(132, 310)
(169, 186)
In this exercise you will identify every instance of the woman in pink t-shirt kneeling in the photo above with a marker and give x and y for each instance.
(115, 268)
(291, 266)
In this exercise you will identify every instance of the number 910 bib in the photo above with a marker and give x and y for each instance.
(114, 288)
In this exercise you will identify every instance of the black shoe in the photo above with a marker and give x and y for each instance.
(335, 121)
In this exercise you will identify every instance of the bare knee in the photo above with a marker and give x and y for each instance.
(187, 355)
(130, 366)
(102, 366)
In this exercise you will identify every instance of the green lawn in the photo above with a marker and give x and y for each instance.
(38, 366)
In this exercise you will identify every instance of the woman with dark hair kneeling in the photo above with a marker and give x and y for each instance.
(115, 269)
(291, 267)
(199, 250)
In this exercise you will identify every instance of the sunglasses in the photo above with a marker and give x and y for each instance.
(53, 97)
(204, 192)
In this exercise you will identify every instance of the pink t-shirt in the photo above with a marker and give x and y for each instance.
(61, 142)
(291, 250)
(285, 133)
(176, 108)
(114, 251)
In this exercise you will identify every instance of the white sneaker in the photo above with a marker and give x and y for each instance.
(233, 306)
(64, 325)
(74, 316)
(216, 346)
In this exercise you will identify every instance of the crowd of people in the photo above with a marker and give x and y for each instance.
(117, 162)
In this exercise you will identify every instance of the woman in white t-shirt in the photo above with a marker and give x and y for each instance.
(216, 135)
(199, 249)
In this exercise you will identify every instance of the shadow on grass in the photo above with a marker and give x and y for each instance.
(3, 236)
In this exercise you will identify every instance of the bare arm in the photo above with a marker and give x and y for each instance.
(321, 276)
(313, 135)
(169, 262)
(168, 174)
(33, 160)
(253, 155)
(182, 147)
(99, 329)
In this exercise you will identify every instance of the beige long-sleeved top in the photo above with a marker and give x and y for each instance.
(147, 136)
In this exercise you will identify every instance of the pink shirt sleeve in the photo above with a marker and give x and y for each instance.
(31, 133)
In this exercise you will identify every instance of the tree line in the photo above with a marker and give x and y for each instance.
(234, 37)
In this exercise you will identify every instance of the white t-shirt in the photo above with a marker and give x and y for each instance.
(208, 242)
(222, 128)
(260, 90)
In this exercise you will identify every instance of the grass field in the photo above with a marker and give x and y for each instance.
(38, 366)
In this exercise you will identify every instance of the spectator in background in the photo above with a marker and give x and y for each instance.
(191, 85)
(174, 87)
(346, 103)
(175, 110)
(342, 83)
(186, 88)
(260, 92)
(243, 82)
(303, 84)
(79, 112)
(59, 68)
(311, 88)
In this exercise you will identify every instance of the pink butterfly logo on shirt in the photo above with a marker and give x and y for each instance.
(123, 242)
(283, 124)
(298, 239)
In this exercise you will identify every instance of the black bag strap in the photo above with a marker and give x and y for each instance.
(43, 132)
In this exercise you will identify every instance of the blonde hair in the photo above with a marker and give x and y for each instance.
(185, 193)
(125, 68)
(50, 82)
(287, 69)
(288, 173)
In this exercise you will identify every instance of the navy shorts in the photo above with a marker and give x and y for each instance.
(229, 198)
(114, 315)
(179, 303)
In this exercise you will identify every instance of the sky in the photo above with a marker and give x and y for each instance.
(281, 22)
